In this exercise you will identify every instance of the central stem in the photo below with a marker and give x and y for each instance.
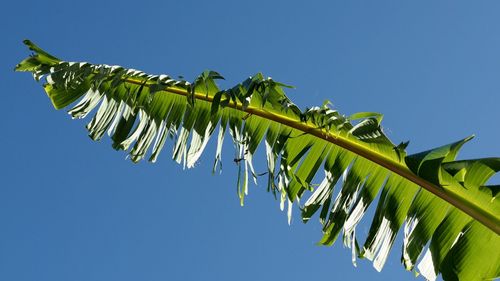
(476, 212)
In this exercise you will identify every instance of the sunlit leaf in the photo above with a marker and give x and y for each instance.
(448, 211)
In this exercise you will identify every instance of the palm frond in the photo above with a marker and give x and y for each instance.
(450, 216)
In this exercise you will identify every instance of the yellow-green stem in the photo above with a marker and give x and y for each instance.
(481, 215)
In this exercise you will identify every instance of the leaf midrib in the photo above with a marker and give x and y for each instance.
(467, 206)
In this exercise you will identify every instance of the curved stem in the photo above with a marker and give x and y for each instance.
(476, 212)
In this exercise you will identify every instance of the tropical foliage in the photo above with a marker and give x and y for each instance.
(450, 216)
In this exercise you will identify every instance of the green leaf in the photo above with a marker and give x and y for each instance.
(363, 115)
(448, 211)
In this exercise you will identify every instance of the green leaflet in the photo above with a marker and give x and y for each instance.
(425, 215)
(458, 237)
(391, 212)
(475, 242)
(363, 115)
(426, 193)
(34, 63)
(426, 211)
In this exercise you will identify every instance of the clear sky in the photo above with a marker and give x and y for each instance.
(72, 209)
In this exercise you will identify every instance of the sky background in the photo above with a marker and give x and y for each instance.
(73, 209)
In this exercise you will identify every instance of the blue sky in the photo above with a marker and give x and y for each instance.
(72, 209)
